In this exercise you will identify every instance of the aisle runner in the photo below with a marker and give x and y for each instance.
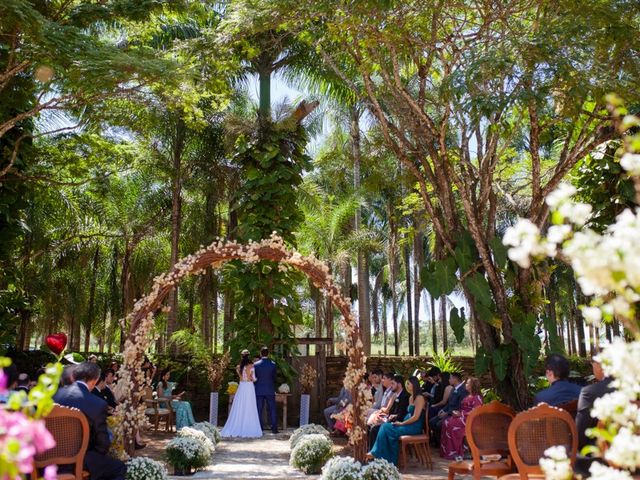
(264, 458)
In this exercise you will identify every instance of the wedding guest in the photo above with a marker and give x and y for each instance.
(441, 394)
(377, 388)
(384, 405)
(78, 395)
(387, 442)
(184, 414)
(149, 369)
(430, 385)
(114, 366)
(103, 391)
(453, 427)
(92, 358)
(455, 399)
(24, 383)
(556, 369)
(68, 377)
(588, 395)
(397, 410)
(336, 405)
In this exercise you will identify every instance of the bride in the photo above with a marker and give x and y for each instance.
(243, 419)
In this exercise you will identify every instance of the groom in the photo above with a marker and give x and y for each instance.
(265, 384)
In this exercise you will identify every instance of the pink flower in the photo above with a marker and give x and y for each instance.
(51, 472)
(3, 381)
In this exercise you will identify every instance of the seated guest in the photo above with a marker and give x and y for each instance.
(453, 427)
(336, 405)
(441, 393)
(588, 395)
(387, 442)
(398, 408)
(377, 388)
(24, 383)
(384, 405)
(184, 414)
(101, 390)
(556, 369)
(78, 395)
(67, 378)
(430, 384)
(148, 368)
(455, 400)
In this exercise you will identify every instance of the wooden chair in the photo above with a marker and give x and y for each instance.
(420, 444)
(571, 407)
(535, 430)
(486, 432)
(155, 412)
(70, 430)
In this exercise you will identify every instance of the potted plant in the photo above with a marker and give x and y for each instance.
(308, 377)
(186, 454)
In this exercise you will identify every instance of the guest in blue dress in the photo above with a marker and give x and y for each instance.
(388, 441)
(184, 415)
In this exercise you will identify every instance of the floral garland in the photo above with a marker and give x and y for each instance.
(141, 320)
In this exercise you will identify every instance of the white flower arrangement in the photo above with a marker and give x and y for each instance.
(380, 469)
(210, 431)
(284, 388)
(342, 468)
(311, 453)
(143, 468)
(188, 432)
(187, 452)
(308, 429)
(555, 464)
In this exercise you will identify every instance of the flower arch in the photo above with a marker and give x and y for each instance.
(141, 319)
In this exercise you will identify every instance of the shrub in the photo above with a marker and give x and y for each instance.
(380, 469)
(309, 429)
(188, 432)
(342, 468)
(209, 430)
(311, 453)
(186, 452)
(143, 468)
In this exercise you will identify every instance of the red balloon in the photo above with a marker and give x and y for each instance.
(56, 342)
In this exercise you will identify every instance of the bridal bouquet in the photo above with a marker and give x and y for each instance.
(232, 388)
(284, 388)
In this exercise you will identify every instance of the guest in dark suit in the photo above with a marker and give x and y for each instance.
(455, 400)
(78, 395)
(265, 385)
(104, 392)
(556, 369)
(588, 395)
(398, 409)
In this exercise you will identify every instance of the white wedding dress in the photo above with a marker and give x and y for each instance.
(243, 419)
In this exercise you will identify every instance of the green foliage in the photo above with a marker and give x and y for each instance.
(445, 363)
(457, 322)
(272, 160)
(500, 361)
(439, 276)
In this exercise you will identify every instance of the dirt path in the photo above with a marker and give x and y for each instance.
(268, 458)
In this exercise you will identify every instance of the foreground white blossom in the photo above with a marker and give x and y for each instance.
(555, 464)
(526, 242)
(601, 472)
(624, 451)
(631, 163)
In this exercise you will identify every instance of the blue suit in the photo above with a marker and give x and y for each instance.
(96, 460)
(560, 391)
(265, 386)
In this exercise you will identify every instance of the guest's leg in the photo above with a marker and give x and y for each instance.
(373, 435)
(327, 416)
(102, 467)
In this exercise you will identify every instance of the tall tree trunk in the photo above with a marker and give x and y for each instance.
(393, 261)
(570, 333)
(364, 316)
(214, 297)
(434, 326)
(205, 307)
(407, 279)
(328, 310)
(176, 220)
(443, 322)
(417, 285)
(92, 299)
(579, 322)
(385, 328)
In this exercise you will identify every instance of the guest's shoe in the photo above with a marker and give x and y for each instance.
(369, 457)
(140, 446)
(275, 431)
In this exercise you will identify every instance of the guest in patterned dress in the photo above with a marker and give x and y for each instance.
(453, 428)
(184, 415)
